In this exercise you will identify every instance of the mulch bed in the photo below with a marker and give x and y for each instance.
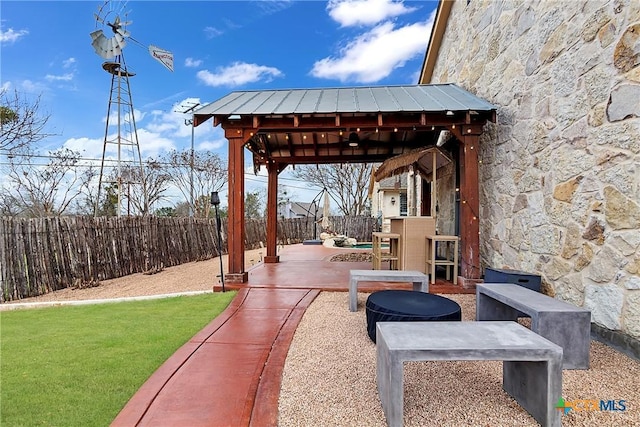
(352, 257)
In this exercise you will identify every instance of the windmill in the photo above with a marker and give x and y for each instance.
(108, 40)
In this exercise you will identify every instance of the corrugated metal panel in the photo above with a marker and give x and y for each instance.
(253, 101)
(309, 102)
(365, 100)
(328, 101)
(374, 99)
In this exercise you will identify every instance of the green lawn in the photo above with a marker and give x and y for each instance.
(79, 365)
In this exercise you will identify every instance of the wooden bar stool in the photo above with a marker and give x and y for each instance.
(391, 255)
(451, 256)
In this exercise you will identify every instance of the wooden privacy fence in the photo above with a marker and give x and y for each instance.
(41, 255)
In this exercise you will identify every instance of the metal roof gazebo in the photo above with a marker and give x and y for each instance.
(343, 125)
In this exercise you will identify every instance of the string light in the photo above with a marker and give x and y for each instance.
(395, 129)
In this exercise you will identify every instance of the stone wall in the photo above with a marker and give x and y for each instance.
(560, 171)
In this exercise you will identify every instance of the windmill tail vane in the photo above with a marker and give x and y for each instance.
(163, 56)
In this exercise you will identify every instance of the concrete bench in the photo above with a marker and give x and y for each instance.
(531, 369)
(420, 281)
(564, 324)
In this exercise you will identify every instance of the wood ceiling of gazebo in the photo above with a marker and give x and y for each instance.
(357, 124)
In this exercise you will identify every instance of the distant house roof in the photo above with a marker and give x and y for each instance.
(398, 182)
(303, 208)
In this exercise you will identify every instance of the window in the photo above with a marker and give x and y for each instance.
(403, 204)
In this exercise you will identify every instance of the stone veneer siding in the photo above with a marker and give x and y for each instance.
(560, 171)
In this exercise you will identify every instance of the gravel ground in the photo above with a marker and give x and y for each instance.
(192, 276)
(329, 379)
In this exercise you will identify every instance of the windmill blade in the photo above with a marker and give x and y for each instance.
(122, 32)
(120, 40)
(163, 56)
(106, 47)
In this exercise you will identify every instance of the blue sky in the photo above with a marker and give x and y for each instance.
(218, 47)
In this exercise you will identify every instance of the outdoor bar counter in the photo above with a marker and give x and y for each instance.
(413, 231)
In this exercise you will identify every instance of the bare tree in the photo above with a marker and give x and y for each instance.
(209, 174)
(141, 190)
(47, 189)
(9, 205)
(21, 122)
(348, 183)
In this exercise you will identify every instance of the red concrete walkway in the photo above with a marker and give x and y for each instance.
(229, 374)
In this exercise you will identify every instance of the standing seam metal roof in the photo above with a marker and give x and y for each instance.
(376, 99)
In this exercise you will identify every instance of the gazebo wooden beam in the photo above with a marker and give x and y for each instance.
(315, 123)
(236, 228)
(273, 169)
(469, 203)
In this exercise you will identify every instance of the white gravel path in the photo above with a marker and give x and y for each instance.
(329, 379)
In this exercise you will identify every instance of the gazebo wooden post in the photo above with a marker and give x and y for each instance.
(272, 212)
(469, 209)
(236, 230)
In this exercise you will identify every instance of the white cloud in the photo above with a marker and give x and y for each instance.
(113, 117)
(63, 77)
(365, 12)
(68, 63)
(32, 87)
(153, 144)
(237, 74)
(375, 54)
(11, 36)
(211, 145)
(192, 63)
(211, 32)
(89, 147)
(6, 86)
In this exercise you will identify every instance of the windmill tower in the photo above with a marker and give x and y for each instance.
(112, 19)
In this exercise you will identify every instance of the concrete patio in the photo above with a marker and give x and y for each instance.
(230, 372)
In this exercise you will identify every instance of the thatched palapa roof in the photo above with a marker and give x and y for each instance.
(421, 159)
